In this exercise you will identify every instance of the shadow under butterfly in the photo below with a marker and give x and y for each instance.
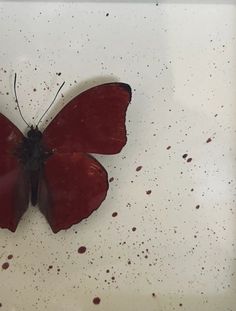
(54, 167)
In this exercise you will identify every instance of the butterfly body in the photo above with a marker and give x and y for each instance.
(32, 155)
(56, 166)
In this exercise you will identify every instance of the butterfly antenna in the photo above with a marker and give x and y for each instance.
(17, 103)
(51, 102)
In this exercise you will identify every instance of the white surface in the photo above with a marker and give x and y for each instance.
(180, 61)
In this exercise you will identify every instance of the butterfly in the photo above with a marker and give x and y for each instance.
(54, 168)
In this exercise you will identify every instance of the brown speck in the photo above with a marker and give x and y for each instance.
(168, 148)
(148, 192)
(107, 14)
(180, 304)
(184, 156)
(111, 179)
(134, 229)
(34, 90)
(153, 295)
(114, 214)
(197, 206)
(96, 300)
(208, 140)
(9, 256)
(82, 250)
(129, 262)
(5, 265)
(189, 160)
(139, 168)
(0, 305)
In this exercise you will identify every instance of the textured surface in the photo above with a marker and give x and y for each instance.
(170, 244)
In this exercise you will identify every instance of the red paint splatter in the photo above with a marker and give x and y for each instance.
(96, 300)
(114, 214)
(148, 192)
(189, 160)
(184, 156)
(9, 256)
(208, 140)
(82, 250)
(5, 265)
(111, 179)
(168, 148)
(138, 168)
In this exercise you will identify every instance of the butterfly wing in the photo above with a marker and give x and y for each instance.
(73, 186)
(14, 186)
(92, 122)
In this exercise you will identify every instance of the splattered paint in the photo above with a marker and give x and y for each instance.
(184, 94)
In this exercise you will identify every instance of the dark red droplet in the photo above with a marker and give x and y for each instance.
(9, 256)
(189, 160)
(5, 265)
(138, 168)
(134, 229)
(96, 300)
(148, 191)
(168, 148)
(114, 214)
(82, 250)
(111, 179)
(184, 156)
(208, 140)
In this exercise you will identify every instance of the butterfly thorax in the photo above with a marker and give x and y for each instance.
(31, 151)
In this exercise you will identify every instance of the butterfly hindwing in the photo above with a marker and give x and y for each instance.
(73, 186)
(92, 122)
(14, 182)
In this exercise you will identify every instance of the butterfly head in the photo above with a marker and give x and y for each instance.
(34, 134)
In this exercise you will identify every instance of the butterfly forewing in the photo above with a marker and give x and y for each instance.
(14, 183)
(92, 122)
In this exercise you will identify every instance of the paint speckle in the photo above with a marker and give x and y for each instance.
(153, 295)
(111, 179)
(114, 214)
(139, 168)
(82, 250)
(134, 229)
(189, 160)
(208, 140)
(148, 192)
(184, 156)
(197, 206)
(168, 148)
(96, 300)
(5, 265)
(10, 256)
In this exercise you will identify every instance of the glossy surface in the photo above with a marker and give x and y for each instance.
(74, 185)
(92, 122)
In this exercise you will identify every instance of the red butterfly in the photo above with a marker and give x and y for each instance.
(54, 166)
